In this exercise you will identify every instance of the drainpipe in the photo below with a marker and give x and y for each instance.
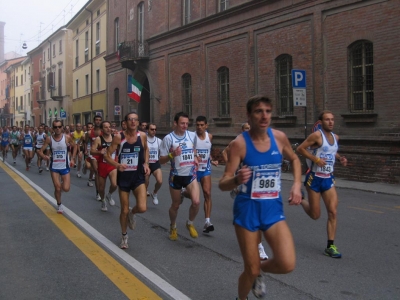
(91, 60)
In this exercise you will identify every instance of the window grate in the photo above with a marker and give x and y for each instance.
(223, 92)
(187, 93)
(284, 89)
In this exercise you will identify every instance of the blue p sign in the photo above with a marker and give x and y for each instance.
(299, 79)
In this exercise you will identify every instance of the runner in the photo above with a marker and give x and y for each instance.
(203, 147)
(132, 166)
(15, 136)
(179, 147)
(123, 125)
(154, 144)
(78, 137)
(261, 251)
(320, 180)
(59, 162)
(40, 137)
(258, 205)
(5, 141)
(27, 146)
(99, 148)
(143, 126)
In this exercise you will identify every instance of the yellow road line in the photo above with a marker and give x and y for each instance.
(383, 207)
(359, 208)
(131, 286)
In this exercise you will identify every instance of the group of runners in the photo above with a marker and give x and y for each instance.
(252, 174)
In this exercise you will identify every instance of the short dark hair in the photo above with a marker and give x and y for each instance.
(180, 114)
(89, 123)
(257, 99)
(97, 116)
(57, 121)
(123, 122)
(201, 119)
(130, 113)
(102, 123)
(321, 115)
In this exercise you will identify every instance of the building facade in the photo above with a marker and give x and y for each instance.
(37, 110)
(208, 57)
(89, 41)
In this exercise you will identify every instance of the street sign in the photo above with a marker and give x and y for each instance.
(98, 113)
(299, 97)
(117, 110)
(299, 79)
(63, 114)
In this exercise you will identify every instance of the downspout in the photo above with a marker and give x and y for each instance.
(91, 59)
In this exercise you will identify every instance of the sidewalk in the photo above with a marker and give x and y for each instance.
(377, 187)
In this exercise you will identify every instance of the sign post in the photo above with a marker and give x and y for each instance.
(299, 93)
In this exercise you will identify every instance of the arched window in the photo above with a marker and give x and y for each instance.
(116, 34)
(187, 93)
(361, 77)
(140, 25)
(284, 89)
(223, 92)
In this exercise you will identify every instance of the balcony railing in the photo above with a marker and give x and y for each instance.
(133, 50)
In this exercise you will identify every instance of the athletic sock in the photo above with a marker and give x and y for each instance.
(330, 243)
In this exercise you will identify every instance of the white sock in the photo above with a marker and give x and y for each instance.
(207, 220)
(189, 222)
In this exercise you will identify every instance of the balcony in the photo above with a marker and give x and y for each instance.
(132, 51)
(56, 94)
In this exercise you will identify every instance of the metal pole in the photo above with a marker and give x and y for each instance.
(305, 122)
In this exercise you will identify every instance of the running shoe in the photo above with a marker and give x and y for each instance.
(148, 194)
(78, 175)
(40, 170)
(259, 288)
(131, 219)
(332, 252)
(208, 227)
(124, 242)
(155, 199)
(261, 252)
(173, 234)
(15, 162)
(98, 198)
(192, 230)
(110, 200)
(182, 195)
(90, 183)
(60, 209)
(103, 205)
(47, 168)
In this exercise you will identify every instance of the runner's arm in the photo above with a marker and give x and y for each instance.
(116, 141)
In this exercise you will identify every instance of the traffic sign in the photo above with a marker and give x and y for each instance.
(299, 97)
(63, 114)
(117, 110)
(299, 79)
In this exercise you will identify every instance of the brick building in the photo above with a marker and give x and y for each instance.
(207, 57)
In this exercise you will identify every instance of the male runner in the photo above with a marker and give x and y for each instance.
(258, 205)
(320, 180)
(15, 136)
(203, 147)
(179, 147)
(132, 166)
(99, 148)
(143, 126)
(154, 144)
(59, 162)
(27, 147)
(40, 137)
(78, 136)
(5, 141)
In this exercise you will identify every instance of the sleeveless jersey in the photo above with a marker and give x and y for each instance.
(59, 158)
(153, 144)
(40, 138)
(326, 152)
(5, 136)
(77, 136)
(265, 183)
(182, 165)
(14, 137)
(203, 148)
(131, 155)
(28, 139)
(105, 145)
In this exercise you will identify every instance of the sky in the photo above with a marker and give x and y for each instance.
(25, 19)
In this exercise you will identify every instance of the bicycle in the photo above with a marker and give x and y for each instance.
(286, 166)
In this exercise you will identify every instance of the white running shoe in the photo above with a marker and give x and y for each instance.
(110, 199)
(124, 242)
(98, 198)
(259, 288)
(90, 183)
(208, 227)
(131, 219)
(148, 194)
(261, 251)
(78, 175)
(47, 168)
(60, 209)
(155, 199)
(103, 205)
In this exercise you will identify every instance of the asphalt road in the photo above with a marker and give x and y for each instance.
(39, 261)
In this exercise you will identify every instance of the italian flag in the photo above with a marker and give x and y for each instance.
(134, 89)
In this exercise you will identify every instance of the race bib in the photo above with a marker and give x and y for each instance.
(187, 157)
(28, 140)
(153, 155)
(131, 160)
(203, 156)
(266, 184)
(59, 156)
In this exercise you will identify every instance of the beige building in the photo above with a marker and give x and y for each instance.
(56, 76)
(89, 73)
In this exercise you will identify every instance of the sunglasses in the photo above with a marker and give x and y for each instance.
(55, 127)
